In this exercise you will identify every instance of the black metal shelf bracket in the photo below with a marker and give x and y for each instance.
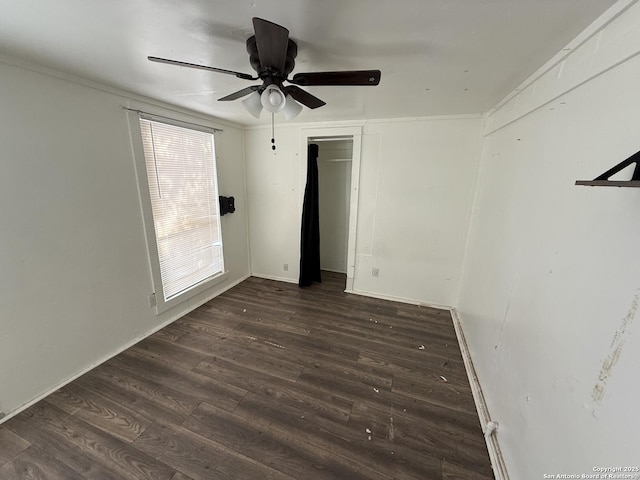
(603, 180)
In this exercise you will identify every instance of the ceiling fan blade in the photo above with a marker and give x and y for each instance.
(272, 41)
(239, 94)
(303, 97)
(353, 77)
(244, 76)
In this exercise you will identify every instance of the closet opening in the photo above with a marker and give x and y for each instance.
(338, 170)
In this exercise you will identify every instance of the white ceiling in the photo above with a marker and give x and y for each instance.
(437, 57)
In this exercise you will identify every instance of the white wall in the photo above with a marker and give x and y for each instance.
(416, 183)
(274, 203)
(551, 283)
(75, 280)
(415, 191)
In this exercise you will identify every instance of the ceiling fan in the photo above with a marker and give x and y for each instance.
(271, 55)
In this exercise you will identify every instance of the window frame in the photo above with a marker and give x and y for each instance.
(157, 297)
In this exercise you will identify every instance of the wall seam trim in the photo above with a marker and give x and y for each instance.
(560, 94)
(595, 28)
(493, 445)
(370, 121)
(471, 214)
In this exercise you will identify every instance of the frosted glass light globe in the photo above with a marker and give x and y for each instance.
(273, 99)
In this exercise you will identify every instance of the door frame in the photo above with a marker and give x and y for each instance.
(355, 132)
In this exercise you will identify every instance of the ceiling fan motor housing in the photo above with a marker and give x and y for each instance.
(264, 73)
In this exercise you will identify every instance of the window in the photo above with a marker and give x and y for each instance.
(183, 192)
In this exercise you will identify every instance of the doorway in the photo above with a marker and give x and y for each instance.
(338, 175)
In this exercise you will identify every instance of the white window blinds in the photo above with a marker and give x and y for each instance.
(181, 172)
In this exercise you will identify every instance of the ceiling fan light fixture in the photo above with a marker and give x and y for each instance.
(253, 104)
(272, 55)
(291, 109)
(273, 99)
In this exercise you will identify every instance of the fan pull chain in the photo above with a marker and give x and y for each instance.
(273, 135)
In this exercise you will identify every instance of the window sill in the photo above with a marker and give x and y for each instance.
(162, 305)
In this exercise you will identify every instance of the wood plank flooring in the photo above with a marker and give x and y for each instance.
(266, 381)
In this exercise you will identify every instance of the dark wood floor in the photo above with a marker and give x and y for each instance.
(267, 381)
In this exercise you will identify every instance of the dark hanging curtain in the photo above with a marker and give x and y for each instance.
(310, 238)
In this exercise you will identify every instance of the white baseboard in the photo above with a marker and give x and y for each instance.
(493, 444)
(344, 272)
(118, 351)
(273, 277)
(392, 298)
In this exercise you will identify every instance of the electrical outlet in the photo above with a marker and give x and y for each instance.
(375, 272)
(285, 267)
(152, 300)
